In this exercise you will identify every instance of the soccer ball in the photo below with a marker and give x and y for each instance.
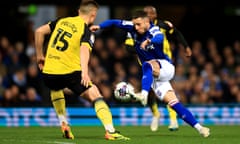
(123, 92)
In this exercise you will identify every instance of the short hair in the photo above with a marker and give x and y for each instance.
(150, 7)
(87, 5)
(138, 14)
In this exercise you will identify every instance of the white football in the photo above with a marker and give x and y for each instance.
(123, 92)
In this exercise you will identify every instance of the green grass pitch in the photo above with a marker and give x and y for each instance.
(138, 135)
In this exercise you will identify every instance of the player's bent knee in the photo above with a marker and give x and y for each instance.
(170, 97)
(92, 93)
(173, 102)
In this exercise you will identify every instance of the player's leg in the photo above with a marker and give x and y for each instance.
(171, 99)
(165, 92)
(58, 101)
(103, 113)
(152, 103)
(173, 122)
(147, 80)
(92, 94)
(163, 72)
(173, 126)
(56, 84)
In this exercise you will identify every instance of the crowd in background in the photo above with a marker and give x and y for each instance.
(210, 76)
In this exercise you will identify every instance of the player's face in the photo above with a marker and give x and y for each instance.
(141, 24)
(151, 13)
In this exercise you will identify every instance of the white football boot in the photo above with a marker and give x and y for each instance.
(154, 124)
(141, 98)
(204, 131)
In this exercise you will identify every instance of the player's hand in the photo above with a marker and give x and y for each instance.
(40, 61)
(145, 43)
(94, 28)
(86, 81)
(188, 52)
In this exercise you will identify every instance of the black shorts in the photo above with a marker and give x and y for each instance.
(71, 81)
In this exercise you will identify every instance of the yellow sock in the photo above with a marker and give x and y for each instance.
(152, 102)
(58, 101)
(172, 113)
(104, 114)
(154, 109)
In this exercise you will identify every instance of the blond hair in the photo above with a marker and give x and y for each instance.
(87, 6)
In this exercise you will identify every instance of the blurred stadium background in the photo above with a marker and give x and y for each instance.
(208, 83)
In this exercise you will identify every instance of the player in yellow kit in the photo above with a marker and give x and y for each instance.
(167, 28)
(65, 65)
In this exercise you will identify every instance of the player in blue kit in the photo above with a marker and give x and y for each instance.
(157, 67)
(171, 33)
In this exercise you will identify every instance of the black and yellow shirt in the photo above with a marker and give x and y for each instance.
(63, 51)
(166, 28)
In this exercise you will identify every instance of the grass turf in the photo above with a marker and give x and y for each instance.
(138, 135)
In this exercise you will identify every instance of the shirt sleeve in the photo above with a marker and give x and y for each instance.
(52, 24)
(122, 24)
(88, 38)
(157, 35)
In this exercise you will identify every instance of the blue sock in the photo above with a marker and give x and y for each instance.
(147, 77)
(185, 114)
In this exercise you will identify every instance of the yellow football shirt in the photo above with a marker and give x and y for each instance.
(63, 51)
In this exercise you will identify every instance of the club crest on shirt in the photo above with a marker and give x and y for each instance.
(149, 47)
